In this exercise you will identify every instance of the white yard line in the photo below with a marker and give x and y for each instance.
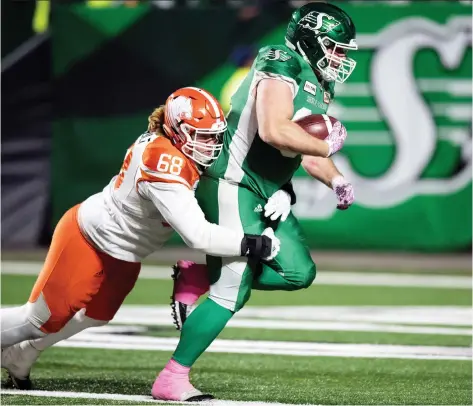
(129, 328)
(443, 320)
(441, 315)
(323, 277)
(374, 318)
(313, 326)
(239, 322)
(303, 349)
(132, 398)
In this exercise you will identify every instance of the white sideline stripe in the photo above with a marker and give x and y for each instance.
(323, 277)
(303, 349)
(325, 318)
(126, 326)
(438, 315)
(132, 398)
(448, 320)
(119, 329)
(393, 319)
(309, 326)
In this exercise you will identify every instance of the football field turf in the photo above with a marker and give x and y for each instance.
(386, 339)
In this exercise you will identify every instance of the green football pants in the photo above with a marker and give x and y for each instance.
(231, 279)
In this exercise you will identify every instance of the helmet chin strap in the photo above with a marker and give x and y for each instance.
(289, 44)
(298, 48)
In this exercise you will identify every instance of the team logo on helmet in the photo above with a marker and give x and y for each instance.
(181, 108)
(320, 23)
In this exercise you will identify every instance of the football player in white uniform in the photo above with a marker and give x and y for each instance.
(96, 251)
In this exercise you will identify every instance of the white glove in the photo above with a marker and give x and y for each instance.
(279, 205)
(344, 191)
(276, 244)
(336, 138)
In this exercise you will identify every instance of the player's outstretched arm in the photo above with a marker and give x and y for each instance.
(180, 209)
(274, 111)
(324, 170)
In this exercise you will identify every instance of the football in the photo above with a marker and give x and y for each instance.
(317, 125)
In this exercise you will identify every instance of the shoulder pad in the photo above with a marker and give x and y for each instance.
(279, 60)
(162, 162)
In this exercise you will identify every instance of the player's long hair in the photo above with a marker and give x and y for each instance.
(156, 121)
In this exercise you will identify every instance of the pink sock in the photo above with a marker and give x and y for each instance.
(172, 382)
(176, 368)
(192, 283)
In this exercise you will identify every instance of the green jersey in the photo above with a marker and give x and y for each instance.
(245, 159)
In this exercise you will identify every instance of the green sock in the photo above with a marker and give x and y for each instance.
(201, 328)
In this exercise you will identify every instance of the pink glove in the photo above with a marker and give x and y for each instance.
(336, 138)
(344, 191)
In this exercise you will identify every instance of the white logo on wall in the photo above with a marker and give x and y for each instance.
(408, 116)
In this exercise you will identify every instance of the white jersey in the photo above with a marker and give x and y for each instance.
(153, 195)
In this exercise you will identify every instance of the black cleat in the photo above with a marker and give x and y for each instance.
(18, 383)
(200, 398)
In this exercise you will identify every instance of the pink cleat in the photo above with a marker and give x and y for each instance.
(191, 281)
(173, 383)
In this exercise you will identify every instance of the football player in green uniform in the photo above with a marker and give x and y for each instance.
(250, 181)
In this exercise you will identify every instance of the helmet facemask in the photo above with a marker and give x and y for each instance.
(331, 66)
(203, 145)
(324, 57)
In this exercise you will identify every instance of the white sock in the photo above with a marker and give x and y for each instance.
(16, 325)
(78, 323)
(19, 358)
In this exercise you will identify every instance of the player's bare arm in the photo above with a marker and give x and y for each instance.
(322, 169)
(325, 171)
(274, 110)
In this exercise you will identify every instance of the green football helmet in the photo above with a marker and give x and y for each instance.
(323, 34)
